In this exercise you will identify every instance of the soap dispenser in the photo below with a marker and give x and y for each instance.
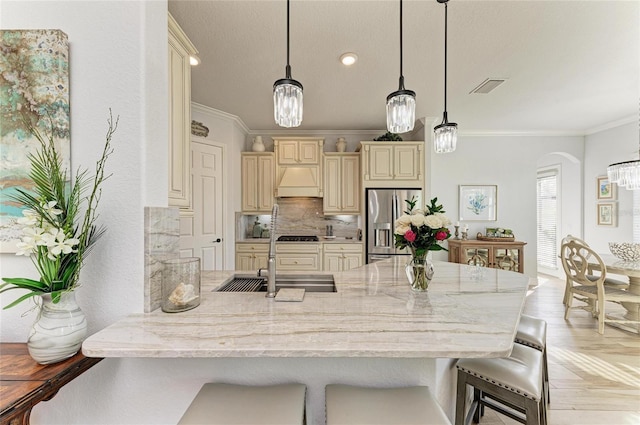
(257, 229)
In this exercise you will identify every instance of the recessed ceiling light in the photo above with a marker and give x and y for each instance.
(348, 59)
(194, 60)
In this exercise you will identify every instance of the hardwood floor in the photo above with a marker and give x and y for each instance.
(594, 379)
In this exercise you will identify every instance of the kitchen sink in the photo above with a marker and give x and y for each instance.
(308, 282)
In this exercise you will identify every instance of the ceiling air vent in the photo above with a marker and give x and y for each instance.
(488, 85)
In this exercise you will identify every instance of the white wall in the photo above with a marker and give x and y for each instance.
(118, 59)
(601, 149)
(510, 162)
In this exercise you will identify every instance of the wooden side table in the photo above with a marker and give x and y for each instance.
(24, 383)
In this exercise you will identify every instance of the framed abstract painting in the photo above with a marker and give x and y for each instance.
(34, 90)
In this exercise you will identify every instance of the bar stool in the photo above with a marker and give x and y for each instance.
(532, 332)
(351, 405)
(509, 385)
(226, 404)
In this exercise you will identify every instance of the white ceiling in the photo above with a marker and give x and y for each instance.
(571, 66)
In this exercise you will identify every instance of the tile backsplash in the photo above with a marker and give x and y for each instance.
(300, 216)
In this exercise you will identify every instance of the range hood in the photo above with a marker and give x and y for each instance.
(299, 181)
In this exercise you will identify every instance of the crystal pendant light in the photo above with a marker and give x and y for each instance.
(401, 104)
(287, 95)
(625, 174)
(446, 134)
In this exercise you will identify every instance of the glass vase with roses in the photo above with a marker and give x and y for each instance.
(421, 231)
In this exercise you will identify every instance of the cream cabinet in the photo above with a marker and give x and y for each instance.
(298, 152)
(341, 183)
(180, 48)
(339, 257)
(393, 162)
(251, 256)
(298, 168)
(258, 170)
(498, 255)
(298, 256)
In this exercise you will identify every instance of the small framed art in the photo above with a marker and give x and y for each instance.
(606, 189)
(478, 203)
(607, 214)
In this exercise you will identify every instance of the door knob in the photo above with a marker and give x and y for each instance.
(220, 240)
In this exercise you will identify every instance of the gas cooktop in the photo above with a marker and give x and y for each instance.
(303, 238)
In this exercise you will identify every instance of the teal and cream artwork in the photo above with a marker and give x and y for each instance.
(34, 88)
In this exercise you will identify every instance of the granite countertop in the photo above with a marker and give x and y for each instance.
(467, 312)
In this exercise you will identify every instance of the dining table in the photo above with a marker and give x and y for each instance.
(630, 269)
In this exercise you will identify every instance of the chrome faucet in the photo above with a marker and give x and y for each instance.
(271, 264)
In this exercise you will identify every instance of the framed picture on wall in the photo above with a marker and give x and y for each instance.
(607, 214)
(606, 189)
(478, 203)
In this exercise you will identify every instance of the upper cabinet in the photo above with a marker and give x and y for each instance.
(180, 49)
(298, 167)
(341, 183)
(257, 182)
(393, 162)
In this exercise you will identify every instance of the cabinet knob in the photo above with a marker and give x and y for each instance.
(295, 262)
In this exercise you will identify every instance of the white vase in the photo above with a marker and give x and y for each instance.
(258, 145)
(59, 330)
(341, 144)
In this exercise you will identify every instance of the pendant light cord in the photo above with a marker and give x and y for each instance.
(288, 68)
(445, 62)
(401, 76)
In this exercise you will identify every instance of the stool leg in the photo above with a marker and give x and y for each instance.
(477, 398)
(461, 398)
(545, 365)
(532, 411)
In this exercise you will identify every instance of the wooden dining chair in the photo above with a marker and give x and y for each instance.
(607, 282)
(575, 261)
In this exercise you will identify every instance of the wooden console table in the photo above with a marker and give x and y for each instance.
(498, 255)
(24, 383)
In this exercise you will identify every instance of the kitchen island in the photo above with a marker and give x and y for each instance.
(373, 331)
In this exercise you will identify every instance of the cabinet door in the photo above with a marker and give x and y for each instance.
(288, 152)
(265, 189)
(507, 259)
(332, 187)
(476, 256)
(179, 124)
(350, 173)
(351, 261)
(260, 261)
(406, 163)
(250, 183)
(332, 262)
(381, 162)
(244, 261)
(298, 262)
(308, 153)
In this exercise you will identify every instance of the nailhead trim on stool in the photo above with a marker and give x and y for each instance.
(351, 405)
(227, 404)
(532, 332)
(514, 382)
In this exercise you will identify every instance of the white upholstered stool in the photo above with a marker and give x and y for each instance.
(514, 382)
(227, 404)
(350, 405)
(532, 332)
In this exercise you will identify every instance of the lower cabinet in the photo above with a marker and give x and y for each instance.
(497, 255)
(298, 256)
(251, 256)
(340, 257)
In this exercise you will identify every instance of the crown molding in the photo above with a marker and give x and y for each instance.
(612, 124)
(220, 114)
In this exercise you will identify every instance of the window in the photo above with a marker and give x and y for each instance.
(547, 212)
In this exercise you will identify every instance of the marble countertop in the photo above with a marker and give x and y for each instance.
(467, 312)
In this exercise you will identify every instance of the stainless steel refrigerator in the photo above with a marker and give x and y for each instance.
(384, 206)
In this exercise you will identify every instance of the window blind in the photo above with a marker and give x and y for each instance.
(547, 212)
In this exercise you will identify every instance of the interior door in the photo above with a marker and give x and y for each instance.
(201, 235)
